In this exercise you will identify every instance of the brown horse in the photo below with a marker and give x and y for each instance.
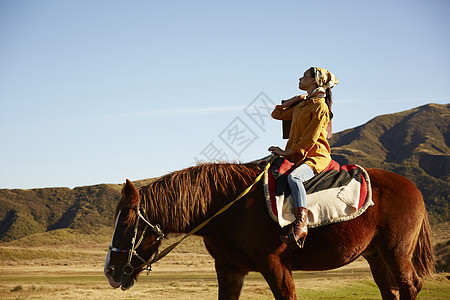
(393, 235)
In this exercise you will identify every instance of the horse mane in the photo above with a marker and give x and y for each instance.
(178, 199)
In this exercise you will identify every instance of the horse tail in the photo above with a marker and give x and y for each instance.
(423, 256)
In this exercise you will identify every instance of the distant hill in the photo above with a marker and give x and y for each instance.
(87, 209)
(24, 212)
(414, 143)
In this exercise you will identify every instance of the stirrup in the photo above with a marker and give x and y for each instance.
(292, 243)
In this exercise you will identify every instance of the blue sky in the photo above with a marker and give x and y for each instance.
(99, 91)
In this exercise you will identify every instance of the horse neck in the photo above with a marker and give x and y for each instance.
(182, 200)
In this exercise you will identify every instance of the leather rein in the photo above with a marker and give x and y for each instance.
(146, 265)
(128, 268)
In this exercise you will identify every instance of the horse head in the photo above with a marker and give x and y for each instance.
(132, 244)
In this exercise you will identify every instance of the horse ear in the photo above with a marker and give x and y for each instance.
(130, 192)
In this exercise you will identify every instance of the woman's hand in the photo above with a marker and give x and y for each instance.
(279, 151)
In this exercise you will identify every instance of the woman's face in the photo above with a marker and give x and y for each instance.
(307, 82)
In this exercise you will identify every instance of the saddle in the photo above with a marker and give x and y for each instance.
(337, 194)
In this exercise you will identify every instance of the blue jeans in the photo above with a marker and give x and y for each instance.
(295, 181)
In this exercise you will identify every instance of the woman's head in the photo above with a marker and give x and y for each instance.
(308, 81)
(317, 78)
(321, 81)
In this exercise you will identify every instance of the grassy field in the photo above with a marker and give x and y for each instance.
(89, 283)
(67, 265)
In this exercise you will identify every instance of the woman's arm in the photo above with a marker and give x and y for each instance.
(279, 151)
(284, 111)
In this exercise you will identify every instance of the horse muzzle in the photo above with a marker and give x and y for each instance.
(125, 280)
(109, 274)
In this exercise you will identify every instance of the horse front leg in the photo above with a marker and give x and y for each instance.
(231, 280)
(279, 277)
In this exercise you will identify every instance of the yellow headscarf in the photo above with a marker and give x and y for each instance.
(325, 80)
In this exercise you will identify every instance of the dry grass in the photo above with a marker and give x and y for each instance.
(40, 267)
(65, 282)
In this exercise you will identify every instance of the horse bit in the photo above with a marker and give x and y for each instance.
(128, 268)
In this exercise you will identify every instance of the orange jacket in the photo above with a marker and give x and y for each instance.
(308, 135)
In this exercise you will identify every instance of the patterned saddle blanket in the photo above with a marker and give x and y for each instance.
(337, 194)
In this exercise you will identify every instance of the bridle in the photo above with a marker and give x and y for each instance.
(128, 268)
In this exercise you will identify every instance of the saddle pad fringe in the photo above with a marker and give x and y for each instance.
(338, 203)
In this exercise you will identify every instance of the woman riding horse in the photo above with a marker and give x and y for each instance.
(394, 235)
(307, 146)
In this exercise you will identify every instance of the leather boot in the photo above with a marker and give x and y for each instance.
(297, 234)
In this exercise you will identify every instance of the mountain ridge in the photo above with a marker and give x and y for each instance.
(413, 143)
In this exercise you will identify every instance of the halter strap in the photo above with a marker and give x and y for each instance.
(128, 268)
(146, 265)
(114, 249)
(193, 231)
